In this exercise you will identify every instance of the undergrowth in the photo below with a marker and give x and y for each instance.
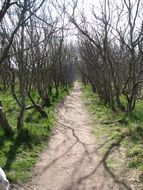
(112, 126)
(19, 153)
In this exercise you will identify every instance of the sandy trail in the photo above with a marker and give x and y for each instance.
(72, 161)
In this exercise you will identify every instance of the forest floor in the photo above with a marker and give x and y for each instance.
(73, 160)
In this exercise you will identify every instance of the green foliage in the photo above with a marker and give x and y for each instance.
(19, 153)
(111, 126)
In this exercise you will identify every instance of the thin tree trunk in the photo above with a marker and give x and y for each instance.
(4, 123)
(37, 107)
(20, 117)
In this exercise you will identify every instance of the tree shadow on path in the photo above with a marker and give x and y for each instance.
(103, 162)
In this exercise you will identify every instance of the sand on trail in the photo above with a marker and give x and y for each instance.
(72, 160)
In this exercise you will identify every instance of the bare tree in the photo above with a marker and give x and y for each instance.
(110, 50)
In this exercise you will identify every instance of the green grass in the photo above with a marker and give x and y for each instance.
(112, 126)
(19, 153)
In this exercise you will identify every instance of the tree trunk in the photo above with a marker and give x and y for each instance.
(4, 123)
(46, 100)
(20, 118)
(37, 107)
(118, 102)
(57, 91)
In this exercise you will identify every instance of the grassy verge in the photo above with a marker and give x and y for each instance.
(19, 153)
(118, 127)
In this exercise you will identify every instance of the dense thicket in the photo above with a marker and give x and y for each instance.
(34, 56)
(111, 52)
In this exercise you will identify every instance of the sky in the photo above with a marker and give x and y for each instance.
(85, 6)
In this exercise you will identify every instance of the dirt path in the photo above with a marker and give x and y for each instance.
(72, 161)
